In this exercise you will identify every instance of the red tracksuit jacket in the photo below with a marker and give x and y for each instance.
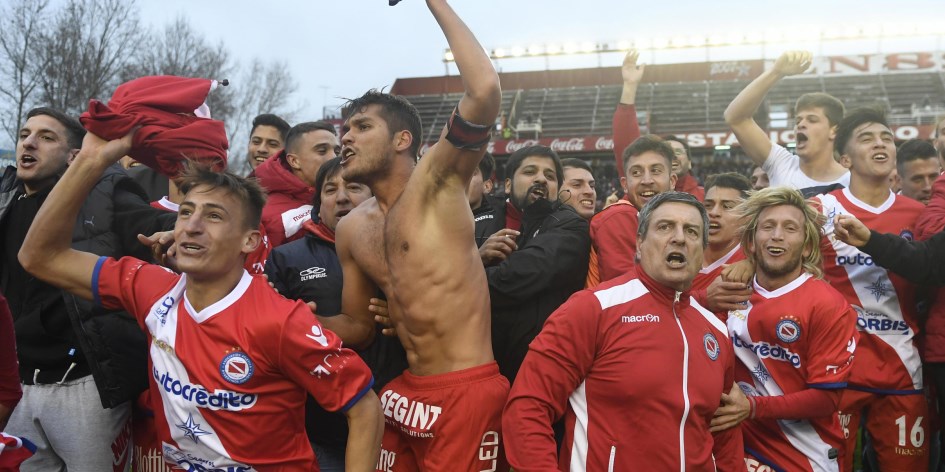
(637, 374)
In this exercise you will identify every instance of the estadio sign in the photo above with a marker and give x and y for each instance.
(596, 144)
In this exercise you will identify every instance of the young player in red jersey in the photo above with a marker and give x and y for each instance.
(794, 341)
(231, 360)
(723, 192)
(886, 381)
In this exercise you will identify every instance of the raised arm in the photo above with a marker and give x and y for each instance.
(626, 128)
(479, 106)
(46, 252)
(480, 103)
(739, 114)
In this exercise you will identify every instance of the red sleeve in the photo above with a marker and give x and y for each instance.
(312, 356)
(256, 260)
(614, 237)
(626, 130)
(129, 284)
(728, 447)
(932, 218)
(557, 362)
(831, 341)
(10, 390)
(808, 403)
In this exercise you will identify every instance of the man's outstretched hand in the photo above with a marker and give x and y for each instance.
(851, 230)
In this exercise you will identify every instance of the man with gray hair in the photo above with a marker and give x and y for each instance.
(635, 366)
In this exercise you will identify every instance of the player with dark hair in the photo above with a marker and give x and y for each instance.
(816, 116)
(682, 168)
(578, 189)
(414, 242)
(266, 138)
(228, 355)
(918, 165)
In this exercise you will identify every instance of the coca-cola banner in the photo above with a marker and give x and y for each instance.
(596, 144)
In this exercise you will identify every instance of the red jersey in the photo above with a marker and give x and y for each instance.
(887, 358)
(637, 371)
(231, 379)
(613, 242)
(710, 272)
(799, 336)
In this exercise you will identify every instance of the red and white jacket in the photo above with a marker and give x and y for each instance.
(613, 242)
(289, 200)
(637, 371)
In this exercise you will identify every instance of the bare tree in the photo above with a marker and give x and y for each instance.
(21, 34)
(89, 43)
(260, 88)
(182, 51)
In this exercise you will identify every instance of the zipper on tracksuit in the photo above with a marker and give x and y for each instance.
(685, 389)
(613, 456)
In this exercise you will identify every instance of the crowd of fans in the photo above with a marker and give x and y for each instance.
(350, 306)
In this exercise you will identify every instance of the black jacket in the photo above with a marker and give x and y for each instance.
(920, 262)
(114, 213)
(485, 219)
(549, 265)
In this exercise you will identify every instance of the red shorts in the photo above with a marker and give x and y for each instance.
(449, 421)
(898, 425)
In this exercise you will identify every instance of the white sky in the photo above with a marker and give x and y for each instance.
(342, 48)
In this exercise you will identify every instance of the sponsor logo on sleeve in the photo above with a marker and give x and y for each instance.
(237, 368)
(318, 336)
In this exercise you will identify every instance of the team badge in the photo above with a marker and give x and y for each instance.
(907, 235)
(788, 330)
(237, 368)
(711, 346)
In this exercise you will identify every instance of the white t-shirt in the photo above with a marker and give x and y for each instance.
(783, 169)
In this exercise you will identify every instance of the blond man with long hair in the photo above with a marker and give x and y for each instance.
(794, 341)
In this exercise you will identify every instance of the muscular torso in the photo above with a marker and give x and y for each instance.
(423, 256)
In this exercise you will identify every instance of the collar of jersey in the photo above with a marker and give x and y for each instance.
(661, 292)
(783, 290)
(221, 304)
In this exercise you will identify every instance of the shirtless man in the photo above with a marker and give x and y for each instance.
(414, 241)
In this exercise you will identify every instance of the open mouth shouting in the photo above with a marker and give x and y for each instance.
(801, 139)
(537, 192)
(26, 161)
(189, 249)
(346, 154)
(676, 260)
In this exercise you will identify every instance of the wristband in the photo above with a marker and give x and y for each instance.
(465, 135)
